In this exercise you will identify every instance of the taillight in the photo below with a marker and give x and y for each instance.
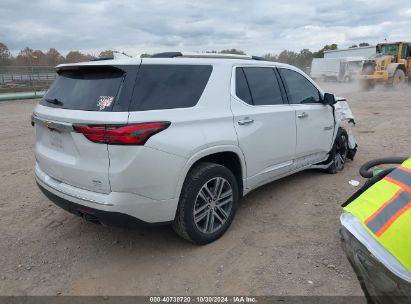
(136, 134)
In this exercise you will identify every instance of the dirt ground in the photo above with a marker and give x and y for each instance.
(283, 241)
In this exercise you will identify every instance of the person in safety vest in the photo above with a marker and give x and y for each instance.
(376, 233)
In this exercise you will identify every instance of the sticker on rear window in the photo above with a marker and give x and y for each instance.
(104, 102)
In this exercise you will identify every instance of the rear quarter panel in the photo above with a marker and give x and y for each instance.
(194, 133)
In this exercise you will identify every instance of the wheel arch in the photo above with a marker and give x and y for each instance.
(391, 68)
(227, 155)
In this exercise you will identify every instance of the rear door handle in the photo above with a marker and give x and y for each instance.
(245, 121)
(302, 115)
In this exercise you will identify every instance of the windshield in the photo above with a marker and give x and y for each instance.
(388, 49)
(89, 89)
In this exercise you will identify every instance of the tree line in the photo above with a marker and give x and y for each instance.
(30, 57)
(52, 57)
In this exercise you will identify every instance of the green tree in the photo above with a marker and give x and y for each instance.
(53, 57)
(270, 57)
(289, 57)
(76, 56)
(362, 44)
(304, 59)
(38, 58)
(232, 51)
(328, 47)
(5, 55)
(106, 54)
(24, 57)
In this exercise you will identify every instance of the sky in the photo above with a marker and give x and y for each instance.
(257, 27)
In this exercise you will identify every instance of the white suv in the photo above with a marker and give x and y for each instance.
(179, 138)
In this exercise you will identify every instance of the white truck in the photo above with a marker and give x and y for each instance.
(338, 69)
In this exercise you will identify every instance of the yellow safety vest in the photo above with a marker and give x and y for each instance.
(384, 210)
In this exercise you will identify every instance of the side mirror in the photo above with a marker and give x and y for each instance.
(329, 99)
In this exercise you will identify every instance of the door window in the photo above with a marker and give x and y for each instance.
(404, 51)
(262, 84)
(241, 87)
(299, 89)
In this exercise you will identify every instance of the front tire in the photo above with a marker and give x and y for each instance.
(367, 85)
(208, 203)
(398, 79)
(339, 152)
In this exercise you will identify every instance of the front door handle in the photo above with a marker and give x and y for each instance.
(302, 115)
(245, 121)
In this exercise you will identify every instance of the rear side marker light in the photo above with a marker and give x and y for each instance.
(135, 134)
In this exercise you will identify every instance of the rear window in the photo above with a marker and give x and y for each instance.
(89, 89)
(169, 86)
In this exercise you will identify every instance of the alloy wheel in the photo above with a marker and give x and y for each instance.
(341, 153)
(213, 205)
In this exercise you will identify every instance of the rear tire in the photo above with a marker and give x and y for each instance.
(208, 203)
(339, 152)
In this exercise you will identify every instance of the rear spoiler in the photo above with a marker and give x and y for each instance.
(90, 67)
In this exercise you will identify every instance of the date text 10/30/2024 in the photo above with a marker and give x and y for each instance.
(203, 299)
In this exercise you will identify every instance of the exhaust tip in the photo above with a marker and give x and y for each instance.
(89, 217)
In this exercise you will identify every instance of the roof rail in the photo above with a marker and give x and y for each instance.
(205, 55)
(216, 55)
(167, 55)
(258, 58)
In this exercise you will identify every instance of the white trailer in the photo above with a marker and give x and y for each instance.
(325, 68)
(365, 51)
(338, 69)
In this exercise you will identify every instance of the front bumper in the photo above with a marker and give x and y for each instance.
(377, 76)
(111, 209)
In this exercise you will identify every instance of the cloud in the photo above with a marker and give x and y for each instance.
(257, 27)
(406, 12)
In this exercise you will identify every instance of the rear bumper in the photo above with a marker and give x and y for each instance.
(114, 208)
(94, 215)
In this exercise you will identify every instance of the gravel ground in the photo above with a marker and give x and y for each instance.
(284, 240)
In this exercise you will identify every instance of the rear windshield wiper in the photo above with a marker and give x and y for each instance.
(54, 101)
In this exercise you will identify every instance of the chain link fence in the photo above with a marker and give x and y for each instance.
(26, 78)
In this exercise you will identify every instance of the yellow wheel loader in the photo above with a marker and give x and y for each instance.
(391, 66)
